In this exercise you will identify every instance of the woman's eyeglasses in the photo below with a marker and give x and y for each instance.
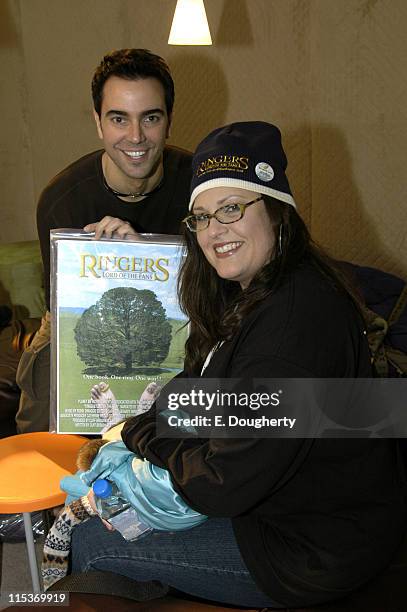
(225, 214)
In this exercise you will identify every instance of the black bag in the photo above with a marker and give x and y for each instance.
(387, 360)
(385, 297)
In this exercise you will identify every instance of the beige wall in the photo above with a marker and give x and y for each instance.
(330, 73)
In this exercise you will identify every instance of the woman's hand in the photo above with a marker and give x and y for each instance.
(111, 227)
(91, 500)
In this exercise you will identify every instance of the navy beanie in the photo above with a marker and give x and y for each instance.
(248, 155)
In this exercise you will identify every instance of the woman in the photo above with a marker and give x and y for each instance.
(292, 522)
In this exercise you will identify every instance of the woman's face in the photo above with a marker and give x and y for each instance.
(237, 250)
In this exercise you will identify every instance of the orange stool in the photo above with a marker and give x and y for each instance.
(31, 467)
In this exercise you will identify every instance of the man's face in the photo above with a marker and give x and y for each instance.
(134, 126)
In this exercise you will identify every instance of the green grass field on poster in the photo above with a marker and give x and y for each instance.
(75, 385)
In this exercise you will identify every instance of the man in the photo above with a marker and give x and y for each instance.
(135, 184)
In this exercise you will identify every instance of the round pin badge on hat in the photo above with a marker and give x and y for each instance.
(264, 171)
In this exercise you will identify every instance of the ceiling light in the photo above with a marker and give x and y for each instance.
(190, 25)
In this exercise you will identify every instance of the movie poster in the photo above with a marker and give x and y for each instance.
(117, 330)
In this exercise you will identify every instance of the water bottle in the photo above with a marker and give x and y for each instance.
(112, 507)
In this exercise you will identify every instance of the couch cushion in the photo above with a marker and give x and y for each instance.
(21, 278)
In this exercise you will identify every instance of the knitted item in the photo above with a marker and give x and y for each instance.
(58, 541)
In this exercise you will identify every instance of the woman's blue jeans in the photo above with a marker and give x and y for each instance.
(204, 561)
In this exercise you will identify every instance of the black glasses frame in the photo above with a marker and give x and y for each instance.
(209, 216)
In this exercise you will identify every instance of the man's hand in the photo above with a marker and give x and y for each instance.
(111, 227)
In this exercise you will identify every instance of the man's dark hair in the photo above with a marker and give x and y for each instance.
(132, 64)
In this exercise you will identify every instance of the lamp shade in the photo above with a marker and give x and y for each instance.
(190, 25)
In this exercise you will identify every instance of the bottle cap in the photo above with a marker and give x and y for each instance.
(102, 488)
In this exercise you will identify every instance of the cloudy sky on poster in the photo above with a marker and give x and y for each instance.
(76, 291)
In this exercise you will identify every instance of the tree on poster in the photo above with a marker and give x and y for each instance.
(125, 328)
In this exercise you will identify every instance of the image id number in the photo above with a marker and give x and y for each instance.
(42, 599)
